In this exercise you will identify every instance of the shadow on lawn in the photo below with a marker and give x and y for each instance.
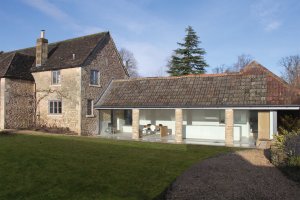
(232, 176)
(6, 133)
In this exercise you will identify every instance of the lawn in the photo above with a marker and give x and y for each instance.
(66, 167)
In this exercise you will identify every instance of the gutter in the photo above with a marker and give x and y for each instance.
(254, 107)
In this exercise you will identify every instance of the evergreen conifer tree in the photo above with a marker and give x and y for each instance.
(189, 58)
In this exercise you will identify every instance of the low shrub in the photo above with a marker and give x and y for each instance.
(289, 123)
(294, 161)
(285, 153)
(286, 147)
(6, 133)
(287, 143)
(52, 129)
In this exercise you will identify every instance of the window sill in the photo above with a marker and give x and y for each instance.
(90, 116)
(55, 115)
(55, 84)
(99, 86)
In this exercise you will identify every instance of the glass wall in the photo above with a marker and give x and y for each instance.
(206, 124)
(115, 121)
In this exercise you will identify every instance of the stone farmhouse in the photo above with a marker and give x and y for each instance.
(81, 84)
(56, 84)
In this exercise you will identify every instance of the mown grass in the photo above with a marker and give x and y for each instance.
(65, 167)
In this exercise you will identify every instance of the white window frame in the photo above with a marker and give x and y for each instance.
(91, 107)
(55, 74)
(54, 110)
(93, 78)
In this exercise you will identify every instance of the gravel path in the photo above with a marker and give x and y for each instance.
(242, 175)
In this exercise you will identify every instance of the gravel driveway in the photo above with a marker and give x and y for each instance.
(242, 175)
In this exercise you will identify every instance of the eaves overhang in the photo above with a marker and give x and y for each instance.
(237, 107)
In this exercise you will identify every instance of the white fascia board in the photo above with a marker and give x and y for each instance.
(212, 108)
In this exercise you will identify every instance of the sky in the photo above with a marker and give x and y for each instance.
(265, 29)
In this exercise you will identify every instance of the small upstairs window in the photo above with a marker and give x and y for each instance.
(94, 77)
(55, 77)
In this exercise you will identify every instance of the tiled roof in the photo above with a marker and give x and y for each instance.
(255, 85)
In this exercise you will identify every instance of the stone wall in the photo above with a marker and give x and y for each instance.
(263, 125)
(136, 124)
(229, 127)
(2, 103)
(75, 90)
(68, 92)
(178, 124)
(17, 103)
(106, 60)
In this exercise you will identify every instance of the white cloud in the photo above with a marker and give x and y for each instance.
(59, 15)
(50, 9)
(91, 29)
(267, 13)
(273, 25)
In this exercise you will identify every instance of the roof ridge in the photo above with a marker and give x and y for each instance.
(22, 54)
(212, 75)
(146, 78)
(102, 40)
(57, 42)
(6, 54)
(178, 77)
(266, 70)
(78, 38)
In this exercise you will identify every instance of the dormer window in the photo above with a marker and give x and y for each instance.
(55, 77)
(94, 77)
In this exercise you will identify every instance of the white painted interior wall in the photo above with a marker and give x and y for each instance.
(273, 124)
(166, 117)
(120, 124)
(204, 124)
(209, 124)
(209, 132)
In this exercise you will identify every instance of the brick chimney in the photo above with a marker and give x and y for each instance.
(41, 50)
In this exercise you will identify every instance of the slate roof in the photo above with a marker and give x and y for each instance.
(254, 86)
(16, 65)
(20, 63)
(60, 54)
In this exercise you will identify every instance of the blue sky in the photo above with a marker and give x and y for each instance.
(266, 29)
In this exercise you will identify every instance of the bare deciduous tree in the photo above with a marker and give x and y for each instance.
(291, 69)
(129, 62)
(220, 69)
(242, 61)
